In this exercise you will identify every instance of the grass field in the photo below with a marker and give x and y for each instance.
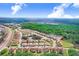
(66, 44)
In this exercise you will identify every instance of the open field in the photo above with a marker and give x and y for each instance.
(66, 44)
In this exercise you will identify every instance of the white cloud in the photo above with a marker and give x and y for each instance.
(17, 7)
(59, 11)
(76, 5)
(67, 16)
(77, 16)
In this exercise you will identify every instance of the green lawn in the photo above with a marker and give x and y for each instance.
(65, 52)
(66, 44)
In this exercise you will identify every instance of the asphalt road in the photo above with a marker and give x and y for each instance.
(7, 38)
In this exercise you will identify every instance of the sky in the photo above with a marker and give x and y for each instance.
(40, 10)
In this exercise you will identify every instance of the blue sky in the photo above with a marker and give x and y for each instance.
(40, 10)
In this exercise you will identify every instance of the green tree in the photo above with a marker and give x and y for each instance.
(52, 53)
(72, 52)
(18, 53)
(4, 52)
